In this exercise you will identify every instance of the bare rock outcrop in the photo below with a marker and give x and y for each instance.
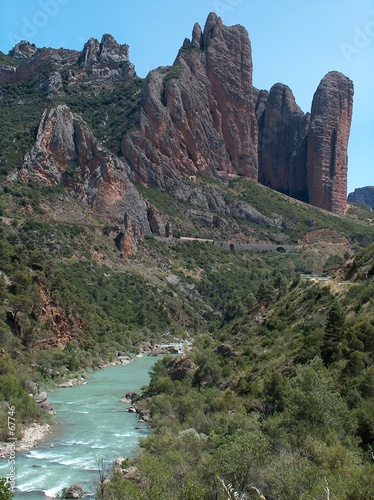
(198, 115)
(363, 195)
(226, 351)
(327, 158)
(66, 151)
(32, 59)
(201, 115)
(103, 62)
(74, 491)
(305, 155)
(99, 63)
(180, 366)
(282, 146)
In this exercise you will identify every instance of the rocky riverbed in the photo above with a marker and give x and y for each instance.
(32, 435)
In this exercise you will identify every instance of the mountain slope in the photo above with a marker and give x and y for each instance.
(200, 116)
(277, 404)
(131, 210)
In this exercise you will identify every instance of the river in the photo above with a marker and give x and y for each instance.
(91, 424)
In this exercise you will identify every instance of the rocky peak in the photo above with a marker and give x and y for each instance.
(198, 115)
(106, 53)
(197, 36)
(66, 152)
(327, 160)
(111, 51)
(99, 63)
(305, 155)
(89, 55)
(212, 29)
(23, 50)
(104, 62)
(283, 129)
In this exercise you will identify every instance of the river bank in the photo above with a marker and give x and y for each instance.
(36, 433)
(32, 435)
(92, 425)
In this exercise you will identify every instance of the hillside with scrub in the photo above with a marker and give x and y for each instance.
(190, 206)
(276, 404)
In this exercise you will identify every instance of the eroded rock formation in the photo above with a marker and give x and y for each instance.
(282, 145)
(305, 155)
(198, 115)
(327, 160)
(99, 63)
(66, 151)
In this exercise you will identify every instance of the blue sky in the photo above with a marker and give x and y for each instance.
(295, 42)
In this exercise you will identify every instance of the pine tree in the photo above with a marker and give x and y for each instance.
(334, 334)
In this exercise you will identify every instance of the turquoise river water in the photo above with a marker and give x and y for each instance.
(91, 424)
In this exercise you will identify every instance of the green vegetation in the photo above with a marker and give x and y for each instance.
(298, 217)
(285, 408)
(5, 490)
(9, 61)
(109, 113)
(289, 413)
(171, 72)
(50, 284)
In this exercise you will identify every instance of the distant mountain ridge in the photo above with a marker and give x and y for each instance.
(363, 195)
(200, 116)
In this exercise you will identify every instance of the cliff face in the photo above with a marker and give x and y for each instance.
(66, 152)
(305, 155)
(327, 160)
(198, 115)
(203, 115)
(283, 130)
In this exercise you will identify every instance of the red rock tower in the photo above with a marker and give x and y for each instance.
(327, 157)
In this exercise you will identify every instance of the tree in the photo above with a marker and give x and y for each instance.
(118, 487)
(19, 304)
(334, 334)
(241, 456)
(265, 292)
(103, 470)
(276, 390)
(314, 406)
(5, 490)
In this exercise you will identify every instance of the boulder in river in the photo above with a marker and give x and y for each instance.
(122, 354)
(68, 383)
(74, 491)
(133, 397)
(47, 406)
(125, 359)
